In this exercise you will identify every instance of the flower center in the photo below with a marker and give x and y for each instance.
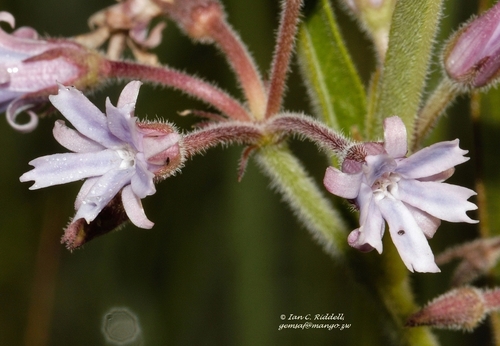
(128, 158)
(386, 185)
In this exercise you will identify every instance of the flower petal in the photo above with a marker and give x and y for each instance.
(74, 140)
(445, 201)
(342, 184)
(427, 223)
(103, 191)
(408, 238)
(129, 94)
(122, 124)
(84, 190)
(395, 142)
(84, 116)
(64, 168)
(376, 166)
(142, 181)
(372, 224)
(432, 160)
(133, 208)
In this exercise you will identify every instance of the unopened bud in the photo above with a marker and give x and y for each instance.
(472, 56)
(79, 232)
(195, 17)
(477, 258)
(463, 308)
(162, 148)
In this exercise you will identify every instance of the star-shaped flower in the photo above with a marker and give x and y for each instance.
(407, 192)
(113, 152)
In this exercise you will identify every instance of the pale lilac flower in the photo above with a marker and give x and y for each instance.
(407, 192)
(27, 69)
(472, 56)
(115, 153)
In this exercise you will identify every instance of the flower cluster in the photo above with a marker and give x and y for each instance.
(113, 152)
(407, 192)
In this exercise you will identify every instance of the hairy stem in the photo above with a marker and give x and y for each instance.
(242, 63)
(435, 105)
(321, 135)
(188, 84)
(283, 51)
(198, 141)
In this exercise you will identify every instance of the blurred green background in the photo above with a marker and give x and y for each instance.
(225, 259)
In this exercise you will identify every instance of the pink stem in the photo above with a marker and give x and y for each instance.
(283, 51)
(313, 130)
(244, 66)
(190, 85)
(222, 133)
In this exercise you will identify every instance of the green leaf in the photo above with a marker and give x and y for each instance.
(334, 84)
(414, 25)
(304, 197)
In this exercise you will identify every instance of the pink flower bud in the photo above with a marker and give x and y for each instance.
(161, 148)
(462, 308)
(195, 17)
(30, 69)
(472, 56)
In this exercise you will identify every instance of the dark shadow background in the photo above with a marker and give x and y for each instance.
(225, 259)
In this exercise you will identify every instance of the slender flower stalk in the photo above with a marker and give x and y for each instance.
(434, 107)
(283, 51)
(243, 65)
(186, 83)
(205, 21)
(224, 133)
(295, 124)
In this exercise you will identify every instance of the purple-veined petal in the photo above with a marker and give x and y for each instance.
(408, 238)
(142, 181)
(84, 116)
(432, 160)
(427, 223)
(74, 140)
(103, 191)
(395, 142)
(84, 190)
(64, 168)
(342, 184)
(372, 224)
(133, 207)
(129, 95)
(121, 124)
(376, 166)
(444, 201)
